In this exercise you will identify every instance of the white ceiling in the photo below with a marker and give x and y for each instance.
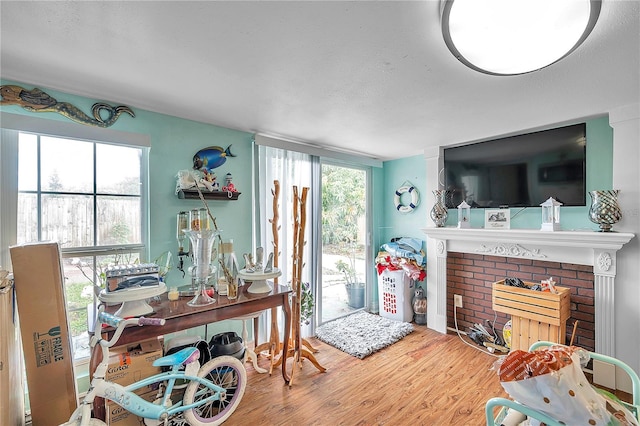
(370, 77)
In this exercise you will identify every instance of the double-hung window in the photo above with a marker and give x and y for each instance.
(89, 196)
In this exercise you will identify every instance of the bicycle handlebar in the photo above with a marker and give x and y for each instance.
(109, 319)
(151, 321)
(115, 321)
(119, 324)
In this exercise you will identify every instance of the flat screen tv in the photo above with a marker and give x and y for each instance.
(519, 171)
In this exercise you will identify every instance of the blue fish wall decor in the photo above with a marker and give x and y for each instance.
(210, 158)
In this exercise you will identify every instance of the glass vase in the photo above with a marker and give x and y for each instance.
(439, 210)
(605, 210)
(202, 243)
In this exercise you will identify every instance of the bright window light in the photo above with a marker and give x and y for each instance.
(507, 37)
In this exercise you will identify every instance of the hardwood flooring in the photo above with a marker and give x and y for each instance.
(425, 379)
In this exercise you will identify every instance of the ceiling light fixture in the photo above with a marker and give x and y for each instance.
(510, 37)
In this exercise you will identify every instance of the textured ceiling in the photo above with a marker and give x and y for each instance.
(369, 77)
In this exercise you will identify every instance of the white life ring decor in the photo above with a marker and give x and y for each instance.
(415, 198)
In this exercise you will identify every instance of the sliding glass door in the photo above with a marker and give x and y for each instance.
(342, 285)
(338, 263)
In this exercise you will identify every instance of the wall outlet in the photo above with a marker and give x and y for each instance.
(457, 300)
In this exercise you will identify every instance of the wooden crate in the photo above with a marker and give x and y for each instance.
(535, 315)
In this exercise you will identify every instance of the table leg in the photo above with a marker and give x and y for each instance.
(256, 324)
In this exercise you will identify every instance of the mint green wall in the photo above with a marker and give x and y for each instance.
(396, 174)
(174, 141)
(173, 144)
(599, 176)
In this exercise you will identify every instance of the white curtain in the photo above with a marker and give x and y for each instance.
(290, 169)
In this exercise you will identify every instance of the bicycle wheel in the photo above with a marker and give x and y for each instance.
(226, 372)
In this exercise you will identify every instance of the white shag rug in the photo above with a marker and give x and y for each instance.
(362, 333)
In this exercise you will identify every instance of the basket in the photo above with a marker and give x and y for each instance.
(395, 290)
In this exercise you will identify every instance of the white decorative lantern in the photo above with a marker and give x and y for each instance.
(464, 215)
(550, 215)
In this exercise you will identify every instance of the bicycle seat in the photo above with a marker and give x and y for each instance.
(184, 356)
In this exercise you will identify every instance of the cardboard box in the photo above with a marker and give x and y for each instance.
(138, 275)
(128, 364)
(119, 416)
(39, 284)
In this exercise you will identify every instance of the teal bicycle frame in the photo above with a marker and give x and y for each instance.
(205, 393)
(126, 397)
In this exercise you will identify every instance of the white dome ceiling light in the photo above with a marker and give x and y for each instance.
(510, 37)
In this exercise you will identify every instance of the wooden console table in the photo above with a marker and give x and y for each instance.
(180, 317)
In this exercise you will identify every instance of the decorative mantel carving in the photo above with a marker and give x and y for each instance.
(597, 249)
(514, 250)
(604, 261)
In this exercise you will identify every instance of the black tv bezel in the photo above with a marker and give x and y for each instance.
(569, 174)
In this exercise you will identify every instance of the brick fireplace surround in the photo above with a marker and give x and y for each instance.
(478, 257)
(472, 275)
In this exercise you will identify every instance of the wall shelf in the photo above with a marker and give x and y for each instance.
(188, 194)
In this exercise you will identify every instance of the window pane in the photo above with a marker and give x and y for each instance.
(344, 209)
(118, 220)
(67, 219)
(66, 164)
(27, 162)
(117, 169)
(27, 218)
(80, 273)
(78, 286)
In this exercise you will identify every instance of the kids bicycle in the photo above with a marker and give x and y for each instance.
(212, 391)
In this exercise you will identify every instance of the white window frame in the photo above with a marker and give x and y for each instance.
(10, 126)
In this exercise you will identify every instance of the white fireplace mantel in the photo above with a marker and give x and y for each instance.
(597, 249)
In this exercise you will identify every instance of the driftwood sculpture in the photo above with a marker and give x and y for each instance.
(35, 100)
(296, 349)
(273, 346)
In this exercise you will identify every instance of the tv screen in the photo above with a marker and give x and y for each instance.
(519, 171)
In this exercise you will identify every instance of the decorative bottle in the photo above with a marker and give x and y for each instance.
(439, 211)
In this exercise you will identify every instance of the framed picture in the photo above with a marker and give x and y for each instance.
(497, 218)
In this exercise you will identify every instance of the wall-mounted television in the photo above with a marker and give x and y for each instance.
(519, 171)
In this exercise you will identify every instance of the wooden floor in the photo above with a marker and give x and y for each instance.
(425, 379)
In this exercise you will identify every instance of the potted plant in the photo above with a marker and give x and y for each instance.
(306, 303)
(354, 287)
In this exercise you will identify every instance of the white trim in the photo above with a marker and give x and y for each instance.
(624, 113)
(72, 130)
(306, 148)
(8, 193)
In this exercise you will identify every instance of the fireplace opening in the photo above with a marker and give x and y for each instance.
(472, 276)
